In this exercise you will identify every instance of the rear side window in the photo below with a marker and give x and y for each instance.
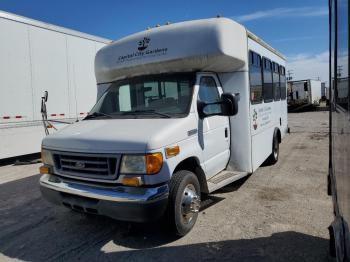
(267, 80)
(255, 78)
(283, 84)
(276, 82)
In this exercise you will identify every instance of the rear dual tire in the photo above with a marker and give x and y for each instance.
(273, 158)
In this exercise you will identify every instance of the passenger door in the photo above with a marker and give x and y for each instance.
(214, 131)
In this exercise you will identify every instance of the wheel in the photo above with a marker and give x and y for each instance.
(184, 202)
(273, 158)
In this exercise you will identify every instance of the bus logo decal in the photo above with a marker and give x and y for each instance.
(143, 44)
(255, 118)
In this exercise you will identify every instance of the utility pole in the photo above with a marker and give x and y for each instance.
(339, 70)
(290, 73)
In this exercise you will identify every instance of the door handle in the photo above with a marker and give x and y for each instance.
(226, 133)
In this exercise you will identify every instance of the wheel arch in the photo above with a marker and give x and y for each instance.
(192, 164)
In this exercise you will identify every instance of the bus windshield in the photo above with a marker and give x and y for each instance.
(157, 96)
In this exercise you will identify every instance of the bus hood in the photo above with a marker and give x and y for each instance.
(120, 135)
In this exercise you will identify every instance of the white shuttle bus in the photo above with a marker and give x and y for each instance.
(181, 110)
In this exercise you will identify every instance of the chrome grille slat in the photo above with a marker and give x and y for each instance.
(95, 167)
(86, 161)
(86, 168)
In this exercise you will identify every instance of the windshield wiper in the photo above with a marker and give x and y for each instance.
(97, 114)
(134, 112)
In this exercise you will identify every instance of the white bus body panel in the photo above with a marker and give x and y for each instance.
(269, 115)
(36, 57)
(216, 45)
(240, 157)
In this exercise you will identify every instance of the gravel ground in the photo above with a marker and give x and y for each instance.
(280, 213)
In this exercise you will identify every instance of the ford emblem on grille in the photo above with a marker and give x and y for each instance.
(80, 164)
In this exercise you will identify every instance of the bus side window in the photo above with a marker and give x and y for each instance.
(255, 78)
(283, 83)
(276, 82)
(267, 80)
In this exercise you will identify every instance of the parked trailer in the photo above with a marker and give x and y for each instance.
(339, 130)
(34, 57)
(305, 92)
(173, 119)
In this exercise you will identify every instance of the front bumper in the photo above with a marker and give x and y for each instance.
(136, 204)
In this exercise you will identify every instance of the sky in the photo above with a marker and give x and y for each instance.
(298, 28)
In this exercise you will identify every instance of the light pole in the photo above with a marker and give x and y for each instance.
(290, 73)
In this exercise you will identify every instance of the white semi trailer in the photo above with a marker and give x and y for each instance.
(37, 57)
(182, 109)
(305, 92)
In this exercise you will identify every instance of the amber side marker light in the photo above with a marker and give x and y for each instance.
(154, 162)
(44, 170)
(172, 151)
(131, 181)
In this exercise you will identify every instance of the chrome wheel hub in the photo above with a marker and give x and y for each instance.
(190, 203)
(275, 150)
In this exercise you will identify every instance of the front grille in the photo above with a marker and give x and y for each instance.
(89, 166)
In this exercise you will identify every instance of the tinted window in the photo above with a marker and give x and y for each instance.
(255, 78)
(283, 85)
(276, 82)
(267, 80)
(208, 93)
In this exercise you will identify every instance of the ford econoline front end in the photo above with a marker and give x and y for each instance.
(182, 110)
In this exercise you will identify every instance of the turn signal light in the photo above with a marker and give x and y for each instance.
(44, 170)
(154, 163)
(131, 181)
(172, 151)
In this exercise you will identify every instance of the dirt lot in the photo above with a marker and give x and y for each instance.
(280, 213)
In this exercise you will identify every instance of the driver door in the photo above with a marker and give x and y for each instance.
(214, 131)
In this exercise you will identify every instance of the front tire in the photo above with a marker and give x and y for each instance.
(184, 201)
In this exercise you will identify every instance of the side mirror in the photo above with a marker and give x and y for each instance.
(227, 106)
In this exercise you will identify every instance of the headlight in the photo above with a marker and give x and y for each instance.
(141, 164)
(46, 157)
(133, 164)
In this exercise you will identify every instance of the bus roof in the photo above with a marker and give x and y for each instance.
(264, 44)
(215, 44)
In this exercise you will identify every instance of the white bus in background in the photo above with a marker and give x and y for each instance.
(305, 92)
(35, 57)
(166, 125)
